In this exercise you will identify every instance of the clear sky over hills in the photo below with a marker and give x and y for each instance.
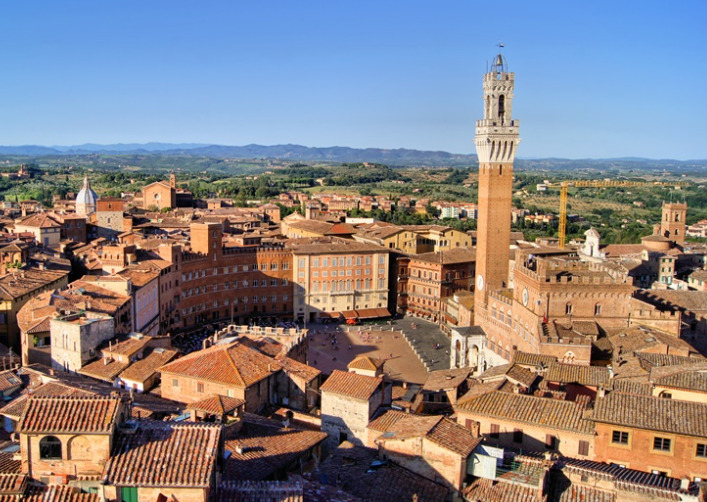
(593, 79)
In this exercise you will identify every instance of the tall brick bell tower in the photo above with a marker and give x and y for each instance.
(496, 142)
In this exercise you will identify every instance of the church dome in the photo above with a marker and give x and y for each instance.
(86, 199)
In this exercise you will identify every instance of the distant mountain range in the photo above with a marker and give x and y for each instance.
(394, 157)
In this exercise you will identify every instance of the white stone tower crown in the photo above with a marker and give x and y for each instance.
(497, 133)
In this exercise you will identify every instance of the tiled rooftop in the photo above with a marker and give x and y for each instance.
(164, 454)
(266, 449)
(593, 376)
(536, 360)
(217, 405)
(347, 468)
(229, 364)
(281, 491)
(651, 413)
(487, 490)
(53, 493)
(538, 411)
(141, 370)
(67, 414)
(104, 369)
(438, 429)
(298, 370)
(351, 385)
(446, 379)
(364, 362)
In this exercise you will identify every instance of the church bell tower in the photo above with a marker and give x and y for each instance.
(496, 143)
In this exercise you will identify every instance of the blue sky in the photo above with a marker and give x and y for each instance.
(593, 79)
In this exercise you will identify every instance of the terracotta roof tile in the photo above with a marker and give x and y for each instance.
(440, 430)
(652, 486)
(668, 359)
(9, 464)
(59, 414)
(386, 420)
(454, 437)
(296, 369)
(164, 454)
(229, 364)
(651, 413)
(217, 405)
(348, 465)
(265, 450)
(450, 257)
(13, 483)
(53, 493)
(446, 379)
(364, 362)
(281, 491)
(498, 491)
(631, 386)
(688, 380)
(104, 369)
(552, 413)
(9, 380)
(141, 370)
(27, 281)
(575, 373)
(515, 372)
(536, 360)
(351, 384)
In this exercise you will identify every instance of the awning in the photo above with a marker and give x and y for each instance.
(383, 313)
(367, 313)
(329, 315)
(349, 314)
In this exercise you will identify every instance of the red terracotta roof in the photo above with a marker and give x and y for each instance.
(364, 362)
(540, 411)
(13, 483)
(440, 430)
(168, 454)
(264, 450)
(296, 369)
(494, 491)
(652, 413)
(593, 376)
(229, 364)
(53, 493)
(86, 414)
(351, 385)
(9, 380)
(217, 405)
(104, 369)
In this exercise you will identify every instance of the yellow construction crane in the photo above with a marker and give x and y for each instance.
(563, 185)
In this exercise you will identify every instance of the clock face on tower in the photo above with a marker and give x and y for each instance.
(480, 282)
(157, 196)
(525, 297)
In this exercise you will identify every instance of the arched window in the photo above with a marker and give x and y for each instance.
(568, 309)
(677, 217)
(597, 309)
(501, 107)
(50, 448)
